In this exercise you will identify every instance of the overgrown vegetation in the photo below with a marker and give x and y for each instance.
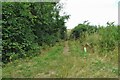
(109, 37)
(27, 26)
(106, 39)
(56, 64)
(36, 67)
(103, 46)
(29, 29)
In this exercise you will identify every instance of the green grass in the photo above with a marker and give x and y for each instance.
(53, 63)
(36, 66)
(92, 64)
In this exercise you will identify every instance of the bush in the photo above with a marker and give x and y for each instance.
(27, 26)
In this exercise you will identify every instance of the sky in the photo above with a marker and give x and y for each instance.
(97, 12)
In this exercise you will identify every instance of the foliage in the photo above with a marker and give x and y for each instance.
(81, 29)
(56, 64)
(27, 26)
(107, 39)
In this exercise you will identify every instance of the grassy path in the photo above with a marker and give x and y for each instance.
(66, 48)
(45, 65)
(65, 59)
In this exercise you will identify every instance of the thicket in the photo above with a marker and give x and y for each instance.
(104, 37)
(27, 26)
(108, 37)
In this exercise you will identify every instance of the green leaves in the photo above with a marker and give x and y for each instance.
(17, 32)
(108, 35)
(26, 26)
(81, 29)
(109, 39)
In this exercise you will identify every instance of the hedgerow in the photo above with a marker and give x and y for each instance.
(27, 26)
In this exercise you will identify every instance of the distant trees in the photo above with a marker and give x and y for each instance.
(81, 29)
(27, 26)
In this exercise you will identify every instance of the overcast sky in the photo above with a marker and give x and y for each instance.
(98, 12)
